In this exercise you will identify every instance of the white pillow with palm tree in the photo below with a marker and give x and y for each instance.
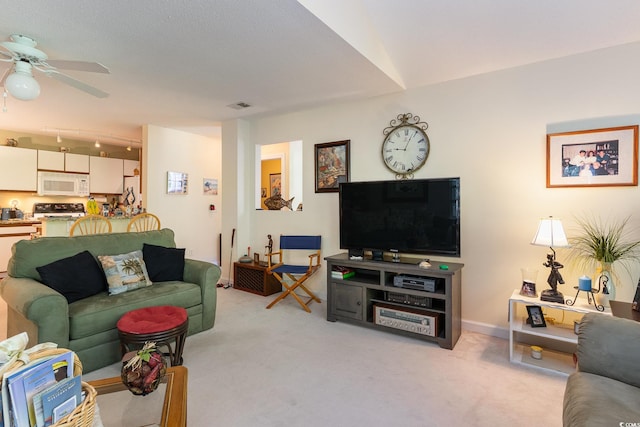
(125, 272)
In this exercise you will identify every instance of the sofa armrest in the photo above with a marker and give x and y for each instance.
(46, 309)
(206, 275)
(609, 346)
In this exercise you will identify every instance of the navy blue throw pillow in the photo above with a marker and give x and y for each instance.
(163, 264)
(76, 277)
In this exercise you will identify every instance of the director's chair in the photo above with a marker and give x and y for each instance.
(297, 273)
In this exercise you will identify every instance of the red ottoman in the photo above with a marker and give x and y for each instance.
(161, 324)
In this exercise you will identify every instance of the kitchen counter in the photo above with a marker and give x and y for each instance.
(60, 226)
(18, 222)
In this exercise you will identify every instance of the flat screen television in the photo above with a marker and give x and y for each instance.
(410, 216)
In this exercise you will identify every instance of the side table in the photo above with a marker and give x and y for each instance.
(166, 407)
(252, 277)
(624, 310)
(558, 339)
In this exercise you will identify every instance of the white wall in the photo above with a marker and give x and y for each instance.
(196, 227)
(489, 130)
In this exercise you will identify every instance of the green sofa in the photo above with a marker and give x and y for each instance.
(88, 326)
(605, 389)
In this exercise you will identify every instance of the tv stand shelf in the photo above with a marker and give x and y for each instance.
(356, 298)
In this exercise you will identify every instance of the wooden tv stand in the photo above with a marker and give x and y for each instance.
(360, 298)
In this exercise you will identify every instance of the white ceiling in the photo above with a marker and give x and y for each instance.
(179, 63)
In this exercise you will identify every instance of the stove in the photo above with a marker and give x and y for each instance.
(70, 210)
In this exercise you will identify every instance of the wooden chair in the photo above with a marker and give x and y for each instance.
(298, 274)
(90, 224)
(144, 222)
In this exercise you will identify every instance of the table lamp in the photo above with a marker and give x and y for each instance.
(550, 233)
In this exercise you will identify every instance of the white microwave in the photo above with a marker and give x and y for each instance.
(63, 184)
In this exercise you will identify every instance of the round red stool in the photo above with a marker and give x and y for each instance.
(161, 324)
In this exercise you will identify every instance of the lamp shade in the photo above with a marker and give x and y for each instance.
(21, 84)
(550, 233)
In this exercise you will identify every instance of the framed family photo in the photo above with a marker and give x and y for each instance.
(331, 166)
(593, 158)
(536, 317)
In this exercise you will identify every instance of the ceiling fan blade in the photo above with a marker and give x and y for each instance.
(76, 83)
(5, 75)
(92, 67)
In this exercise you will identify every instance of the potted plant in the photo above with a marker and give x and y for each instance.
(604, 247)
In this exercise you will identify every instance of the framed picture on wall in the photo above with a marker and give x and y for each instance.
(177, 183)
(593, 158)
(331, 166)
(275, 184)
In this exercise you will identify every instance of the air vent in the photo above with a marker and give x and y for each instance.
(239, 105)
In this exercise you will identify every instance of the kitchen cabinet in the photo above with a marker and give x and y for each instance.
(50, 160)
(10, 235)
(130, 167)
(106, 175)
(18, 169)
(78, 163)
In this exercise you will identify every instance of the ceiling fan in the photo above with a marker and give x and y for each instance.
(18, 79)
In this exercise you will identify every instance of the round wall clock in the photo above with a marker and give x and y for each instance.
(406, 145)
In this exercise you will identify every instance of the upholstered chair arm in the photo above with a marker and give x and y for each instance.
(205, 275)
(36, 309)
(609, 346)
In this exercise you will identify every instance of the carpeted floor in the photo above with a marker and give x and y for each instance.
(285, 367)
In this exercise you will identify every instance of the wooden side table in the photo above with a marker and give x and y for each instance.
(252, 277)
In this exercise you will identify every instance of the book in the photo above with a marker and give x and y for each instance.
(338, 275)
(14, 407)
(340, 272)
(43, 376)
(60, 399)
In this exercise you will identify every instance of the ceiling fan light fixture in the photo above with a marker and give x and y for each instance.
(21, 84)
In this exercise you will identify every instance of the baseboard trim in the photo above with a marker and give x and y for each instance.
(485, 329)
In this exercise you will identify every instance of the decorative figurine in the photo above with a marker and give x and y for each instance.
(555, 277)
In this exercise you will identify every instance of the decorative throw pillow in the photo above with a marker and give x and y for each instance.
(76, 277)
(125, 272)
(163, 264)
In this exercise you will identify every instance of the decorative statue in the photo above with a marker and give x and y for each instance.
(554, 278)
(269, 246)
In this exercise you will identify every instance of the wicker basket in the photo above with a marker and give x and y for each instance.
(83, 414)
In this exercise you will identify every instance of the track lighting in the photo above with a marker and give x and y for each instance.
(58, 139)
(128, 148)
(97, 144)
(21, 84)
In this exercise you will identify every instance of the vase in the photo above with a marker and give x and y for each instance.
(606, 285)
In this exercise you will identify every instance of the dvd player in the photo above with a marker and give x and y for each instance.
(415, 283)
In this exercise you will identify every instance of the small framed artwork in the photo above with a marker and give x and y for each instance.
(256, 257)
(593, 158)
(177, 183)
(536, 318)
(331, 166)
(210, 187)
(275, 184)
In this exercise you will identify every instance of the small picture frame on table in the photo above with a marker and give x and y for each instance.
(536, 318)
(635, 305)
(256, 257)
